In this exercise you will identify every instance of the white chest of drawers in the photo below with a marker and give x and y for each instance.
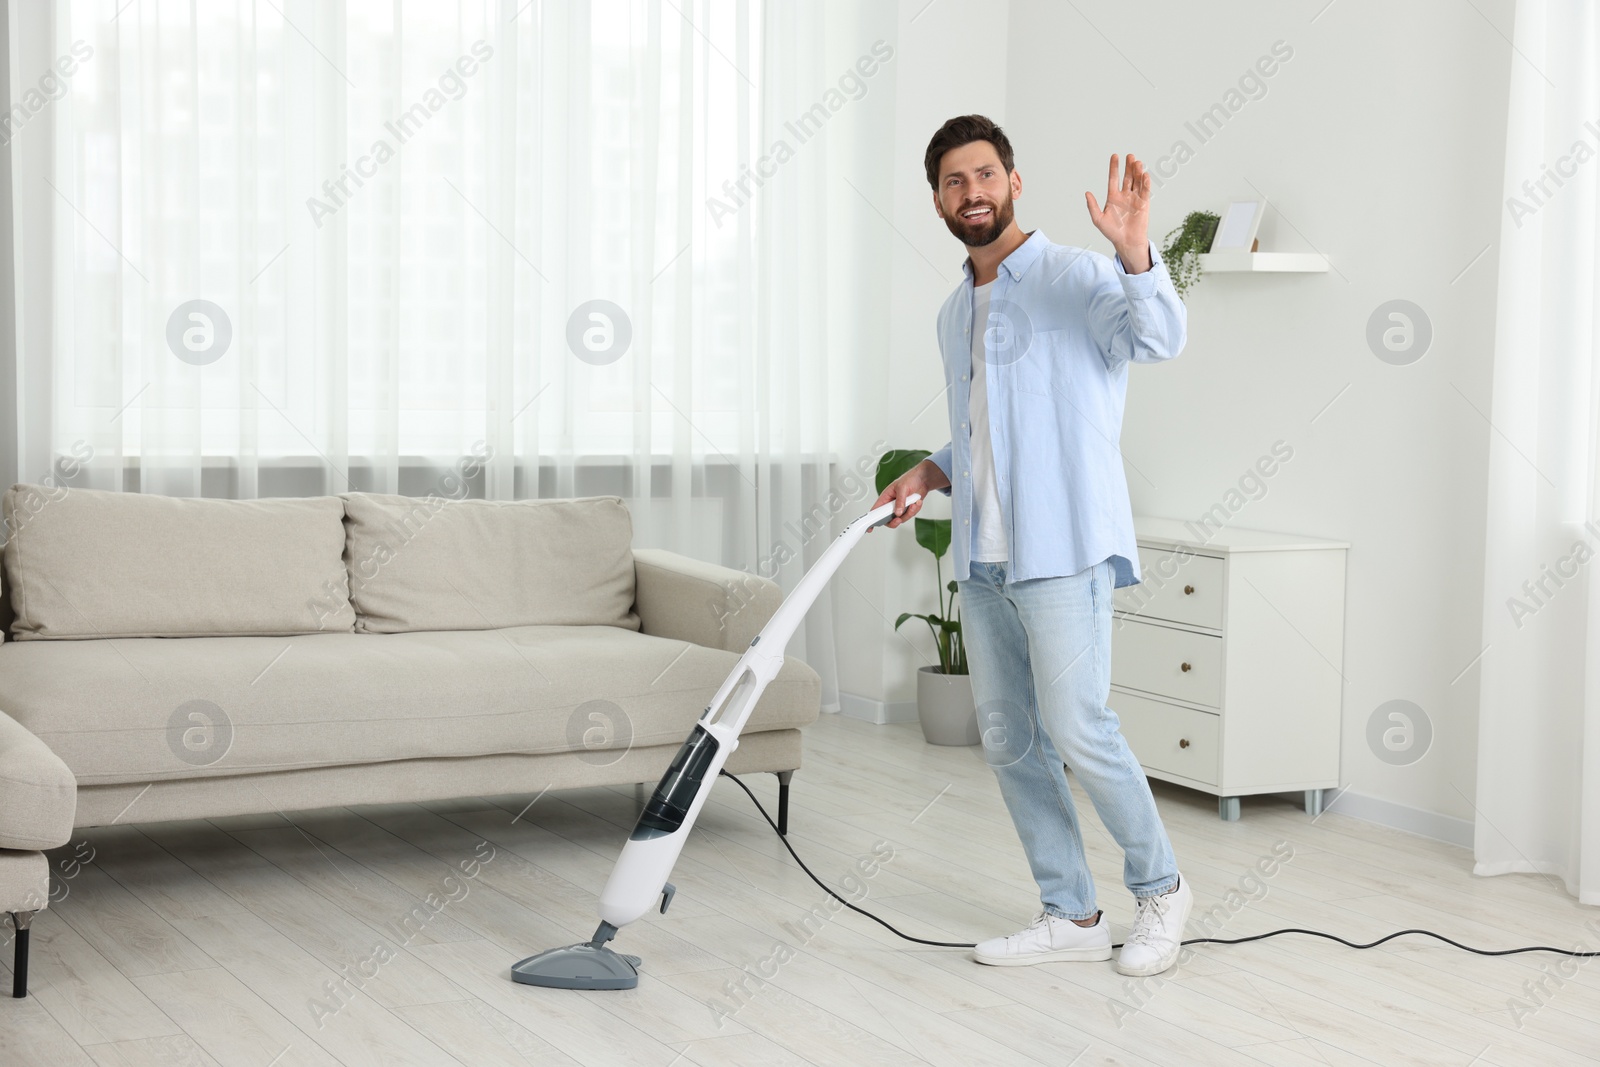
(1227, 660)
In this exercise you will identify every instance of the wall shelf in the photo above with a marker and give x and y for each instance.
(1263, 262)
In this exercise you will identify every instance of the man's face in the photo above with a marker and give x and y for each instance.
(975, 193)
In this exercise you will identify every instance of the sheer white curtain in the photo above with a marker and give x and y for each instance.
(319, 245)
(1538, 792)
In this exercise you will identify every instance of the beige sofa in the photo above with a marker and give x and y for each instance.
(180, 659)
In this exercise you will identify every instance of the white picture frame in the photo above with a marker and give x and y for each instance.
(1236, 232)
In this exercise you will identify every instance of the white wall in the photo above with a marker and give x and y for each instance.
(1379, 142)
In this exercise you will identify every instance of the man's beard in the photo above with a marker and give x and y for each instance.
(978, 236)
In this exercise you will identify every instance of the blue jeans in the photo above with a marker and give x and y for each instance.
(1040, 656)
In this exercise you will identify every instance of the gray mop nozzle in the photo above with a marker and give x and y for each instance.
(586, 965)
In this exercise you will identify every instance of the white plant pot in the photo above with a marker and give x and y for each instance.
(944, 705)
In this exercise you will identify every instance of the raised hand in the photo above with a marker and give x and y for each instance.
(1125, 220)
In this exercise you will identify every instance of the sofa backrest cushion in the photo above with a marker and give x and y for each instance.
(81, 563)
(428, 563)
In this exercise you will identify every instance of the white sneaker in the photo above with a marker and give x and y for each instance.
(1048, 940)
(1157, 935)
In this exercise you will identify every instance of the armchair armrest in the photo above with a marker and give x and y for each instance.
(38, 794)
(702, 603)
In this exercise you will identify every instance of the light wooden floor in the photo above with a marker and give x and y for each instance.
(214, 942)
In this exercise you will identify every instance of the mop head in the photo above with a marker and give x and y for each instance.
(587, 965)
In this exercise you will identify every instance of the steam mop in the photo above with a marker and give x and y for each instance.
(641, 873)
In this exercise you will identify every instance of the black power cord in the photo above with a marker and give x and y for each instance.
(1191, 941)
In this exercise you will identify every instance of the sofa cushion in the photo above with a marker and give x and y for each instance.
(81, 563)
(428, 563)
(141, 710)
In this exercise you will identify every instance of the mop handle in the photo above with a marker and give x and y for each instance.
(780, 628)
(640, 875)
(763, 658)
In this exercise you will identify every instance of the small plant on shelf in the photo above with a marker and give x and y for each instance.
(1184, 245)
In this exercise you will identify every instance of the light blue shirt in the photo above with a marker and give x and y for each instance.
(1064, 323)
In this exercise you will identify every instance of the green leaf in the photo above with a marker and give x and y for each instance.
(904, 615)
(933, 535)
(952, 586)
(895, 462)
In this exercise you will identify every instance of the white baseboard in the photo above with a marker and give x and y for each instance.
(877, 711)
(1430, 824)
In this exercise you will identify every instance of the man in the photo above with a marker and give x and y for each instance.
(1036, 342)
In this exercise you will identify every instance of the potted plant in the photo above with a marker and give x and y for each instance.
(1184, 245)
(944, 692)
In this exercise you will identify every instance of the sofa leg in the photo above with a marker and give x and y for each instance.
(19, 964)
(783, 801)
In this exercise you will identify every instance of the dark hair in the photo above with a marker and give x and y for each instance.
(963, 130)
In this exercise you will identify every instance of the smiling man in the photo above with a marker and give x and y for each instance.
(1036, 342)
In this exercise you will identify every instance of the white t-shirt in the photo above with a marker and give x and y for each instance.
(991, 546)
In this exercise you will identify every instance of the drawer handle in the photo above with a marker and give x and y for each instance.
(1183, 742)
(1187, 667)
(1188, 590)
